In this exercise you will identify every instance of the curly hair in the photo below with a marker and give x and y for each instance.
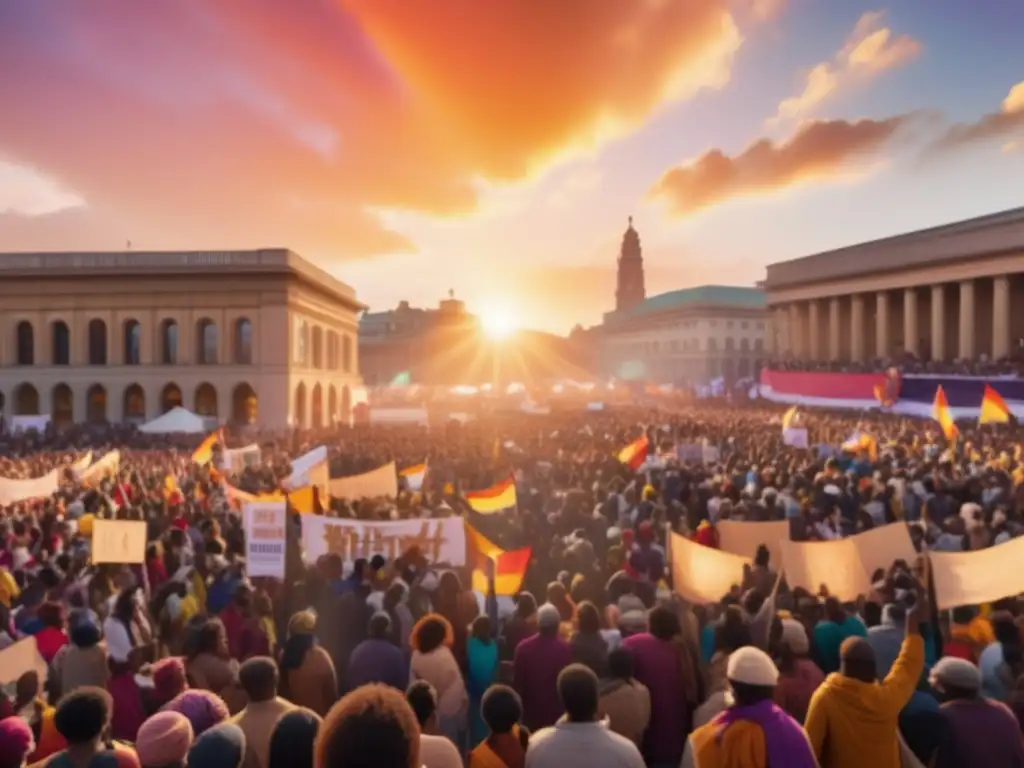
(371, 727)
(431, 632)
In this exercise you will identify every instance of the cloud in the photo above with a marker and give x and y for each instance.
(27, 192)
(819, 150)
(869, 50)
(1006, 125)
(257, 122)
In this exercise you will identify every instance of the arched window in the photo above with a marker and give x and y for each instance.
(132, 342)
(729, 344)
(346, 353)
(299, 413)
(243, 341)
(169, 342)
(206, 400)
(744, 346)
(134, 406)
(318, 347)
(60, 342)
(26, 400)
(97, 342)
(206, 342)
(170, 398)
(96, 404)
(62, 407)
(26, 338)
(244, 406)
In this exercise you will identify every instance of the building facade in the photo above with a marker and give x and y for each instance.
(252, 337)
(955, 291)
(691, 336)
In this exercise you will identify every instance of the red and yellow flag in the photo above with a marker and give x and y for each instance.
(993, 408)
(204, 453)
(498, 497)
(634, 454)
(941, 413)
(509, 567)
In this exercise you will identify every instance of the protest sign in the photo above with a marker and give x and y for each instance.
(702, 574)
(237, 459)
(795, 437)
(974, 578)
(743, 538)
(265, 524)
(441, 541)
(14, 490)
(22, 657)
(118, 541)
(382, 481)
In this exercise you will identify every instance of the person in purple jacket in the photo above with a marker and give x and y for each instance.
(538, 661)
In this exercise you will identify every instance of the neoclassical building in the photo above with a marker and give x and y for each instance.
(260, 337)
(955, 291)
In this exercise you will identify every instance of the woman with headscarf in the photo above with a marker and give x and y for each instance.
(291, 745)
(482, 656)
(434, 662)
(164, 741)
(222, 746)
(308, 677)
(203, 709)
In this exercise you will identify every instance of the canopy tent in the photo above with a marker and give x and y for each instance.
(176, 420)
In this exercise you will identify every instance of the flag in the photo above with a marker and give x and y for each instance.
(237, 497)
(303, 500)
(993, 408)
(500, 496)
(172, 493)
(509, 567)
(204, 453)
(861, 441)
(414, 476)
(789, 418)
(940, 412)
(634, 454)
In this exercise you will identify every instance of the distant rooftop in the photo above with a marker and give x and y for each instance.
(711, 296)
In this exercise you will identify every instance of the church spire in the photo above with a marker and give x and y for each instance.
(630, 289)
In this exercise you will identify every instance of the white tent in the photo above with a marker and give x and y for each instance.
(174, 421)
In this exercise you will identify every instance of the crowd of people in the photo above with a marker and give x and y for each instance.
(186, 660)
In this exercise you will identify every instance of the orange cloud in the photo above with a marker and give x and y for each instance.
(869, 50)
(1006, 125)
(818, 150)
(256, 122)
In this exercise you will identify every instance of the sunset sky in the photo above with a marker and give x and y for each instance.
(497, 148)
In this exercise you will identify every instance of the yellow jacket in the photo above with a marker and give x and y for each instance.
(852, 724)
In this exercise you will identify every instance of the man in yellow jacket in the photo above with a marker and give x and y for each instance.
(852, 720)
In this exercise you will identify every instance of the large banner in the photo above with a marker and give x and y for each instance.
(973, 578)
(265, 524)
(12, 490)
(382, 481)
(743, 538)
(303, 465)
(102, 469)
(442, 541)
(845, 566)
(702, 574)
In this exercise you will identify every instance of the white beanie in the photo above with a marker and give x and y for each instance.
(752, 666)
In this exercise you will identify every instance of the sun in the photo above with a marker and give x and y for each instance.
(498, 322)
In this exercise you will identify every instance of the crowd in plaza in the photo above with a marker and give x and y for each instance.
(596, 658)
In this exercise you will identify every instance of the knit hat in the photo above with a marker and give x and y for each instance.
(795, 636)
(752, 666)
(548, 616)
(163, 739)
(223, 746)
(632, 613)
(202, 708)
(16, 737)
(169, 678)
(956, 673)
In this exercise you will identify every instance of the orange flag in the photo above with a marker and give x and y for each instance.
(993, 408)
(634, 454)
(509, 567)
(941, 413)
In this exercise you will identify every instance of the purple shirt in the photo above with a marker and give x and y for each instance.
(979, 732)
(537, 664)
(658, 666)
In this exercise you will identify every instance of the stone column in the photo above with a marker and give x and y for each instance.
(882, 324)
(938, 322)
(796, 331)
(1000, 317)
(910, 330)
(966, 320)
(814, 331)
(857, 328)
(834, 348)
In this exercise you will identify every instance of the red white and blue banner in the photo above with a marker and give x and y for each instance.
(909, 394)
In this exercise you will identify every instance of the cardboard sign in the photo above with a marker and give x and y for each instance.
(118, 541)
